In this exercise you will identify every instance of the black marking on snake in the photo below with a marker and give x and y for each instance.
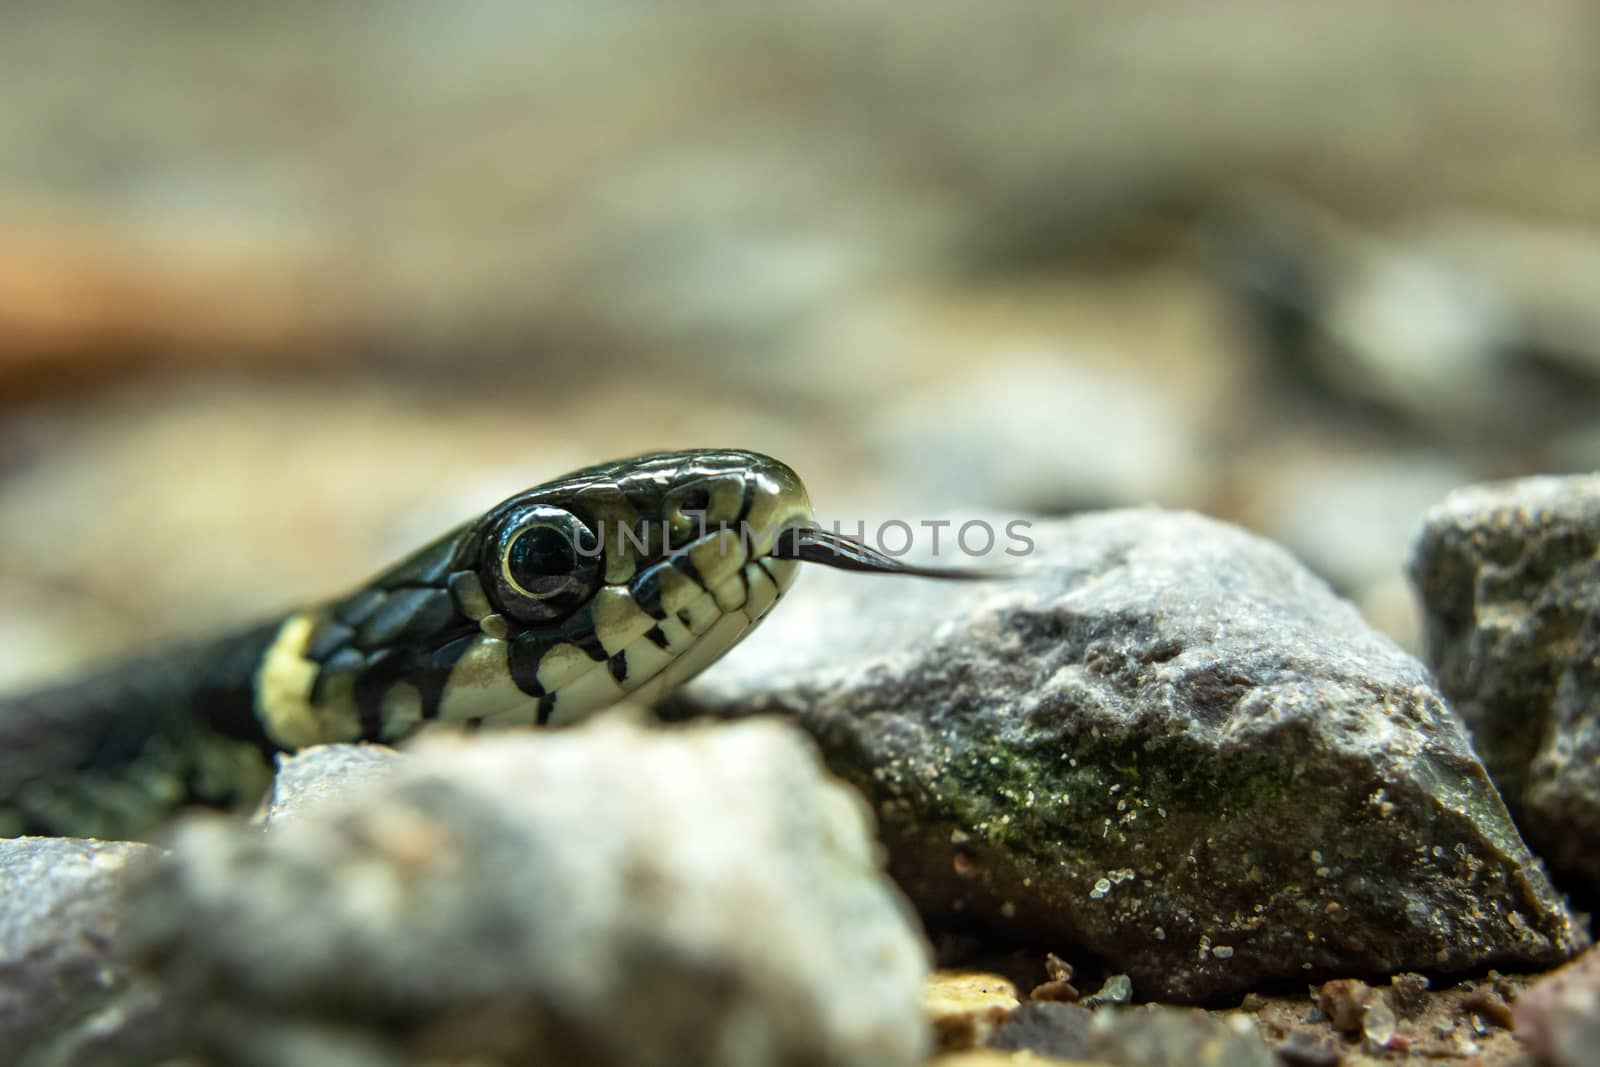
(686, 567)
(589, 642)
(646, 591)
(433, 676)
(759, 562)
(578, 629)
(526, 650)
(428, 671)
(747, 488)
(547, 707)
(686, 619)
(383, 670)
(618, 666)
(658, 637)
(445, 659)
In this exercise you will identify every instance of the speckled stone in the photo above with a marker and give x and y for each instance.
(1167, 743)
(1509, 578)
(58, 931)
(604, 895)
(316, 775)
(1151, 1035)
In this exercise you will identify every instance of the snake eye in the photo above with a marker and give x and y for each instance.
(546, 562)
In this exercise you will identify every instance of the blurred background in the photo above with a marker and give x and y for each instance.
(287, 290)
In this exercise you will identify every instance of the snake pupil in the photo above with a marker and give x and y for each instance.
(542, 561)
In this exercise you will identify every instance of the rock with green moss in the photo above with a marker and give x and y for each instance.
(1166, 743)
(1509, 578)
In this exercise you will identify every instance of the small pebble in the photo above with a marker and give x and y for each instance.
(1492, 1006)
(1378, 1021)
(1408, 994)
(1118, 989)
(1344, 1001)
(1055, 990)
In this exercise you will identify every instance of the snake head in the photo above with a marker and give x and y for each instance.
(618, 580)
(639, 573)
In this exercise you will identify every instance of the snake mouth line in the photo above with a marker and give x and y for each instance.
(731, 595)
(672, 656)
(698, 613)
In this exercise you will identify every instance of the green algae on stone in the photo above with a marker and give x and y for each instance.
(1169, 745)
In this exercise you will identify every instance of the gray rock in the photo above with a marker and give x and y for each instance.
(58, 930)
(315, 775)
(1047, 1029)
(604, 895)
(1169, 744)
(1510, 584)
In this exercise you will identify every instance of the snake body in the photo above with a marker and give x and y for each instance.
(619, 580)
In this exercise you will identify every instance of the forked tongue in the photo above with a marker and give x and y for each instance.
(809, 544)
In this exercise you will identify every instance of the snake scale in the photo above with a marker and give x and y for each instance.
(619, 580)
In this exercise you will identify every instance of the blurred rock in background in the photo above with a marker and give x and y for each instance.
(284, 291)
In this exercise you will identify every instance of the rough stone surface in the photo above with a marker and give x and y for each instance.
(604, 895)
(314, 775)
(58, 929)
(1168, 743)
(1147, 1036)
(1509, 578)
(1457, 1026)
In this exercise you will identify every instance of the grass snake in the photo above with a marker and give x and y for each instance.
(619, 580)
